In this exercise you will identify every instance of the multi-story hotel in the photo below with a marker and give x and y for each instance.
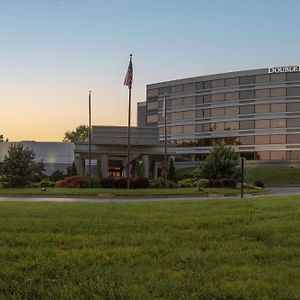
(258, 111)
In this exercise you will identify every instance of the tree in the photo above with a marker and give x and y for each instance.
(172, 171)
(139, 169)
(2, 138)
(18, 166)
(81, 133)
(222, 162)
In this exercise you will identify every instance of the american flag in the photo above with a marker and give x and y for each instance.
(129, 75)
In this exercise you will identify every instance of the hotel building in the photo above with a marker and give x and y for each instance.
(257, 111)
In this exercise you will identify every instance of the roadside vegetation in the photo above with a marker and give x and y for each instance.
(230, 249)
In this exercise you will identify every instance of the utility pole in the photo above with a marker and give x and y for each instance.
(90, 137)
(166, 153)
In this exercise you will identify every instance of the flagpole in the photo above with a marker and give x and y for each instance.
(128, 136)
(165, 156)
(90, 136)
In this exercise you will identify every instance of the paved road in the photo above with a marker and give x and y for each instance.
(277, 191)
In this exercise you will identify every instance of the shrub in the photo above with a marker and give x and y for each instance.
(172, 171)
(215, 183)
(57, 175)
(203, 183)
(259, 183)
(121, 183)
(108, 182)
(160, 183)
(188, 173)
(229, 183)
(46, 183)
(141, 183)
(185, 183)
(74, 182)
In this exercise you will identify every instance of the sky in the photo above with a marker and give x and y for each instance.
(52, 52)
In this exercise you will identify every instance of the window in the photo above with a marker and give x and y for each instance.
(217, 97)
(176, 116)
(293, 76)
(247, 109)
(264, 93)
(278, 139)
(177, 102)
(232, 110)
(152, 92)
(207, 127)
(207, 84)
(278, 123)
(189, 87)
(218, 83)
(262, 108)
(279, 92)
(293, 91)
(199, 113)
(152, 105)
(165, 90)
(199, 127)
(177, 89)
(293, 155)
(247, 94)
(246, 125)
(278, 107)
(232, 81)
(215, 112)
(263, 155)
(246, 140)
(200, 85)
(199, 99)
(278, 77)
(189, 128)
(189, 114)
(278, 155)
(218, 126)
(189, 100)
(262, 139)
(231, 125)
(207, 99)
(293, 139)
(247, 80)
(232, 96)
(293, 106)
(293, 122)
(152, 118)
(262, 124)
(176, 129)
(262, 78)
(206, 113)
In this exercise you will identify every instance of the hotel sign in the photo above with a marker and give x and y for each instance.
(288, 69)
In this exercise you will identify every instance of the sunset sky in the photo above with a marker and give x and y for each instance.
(52, 52)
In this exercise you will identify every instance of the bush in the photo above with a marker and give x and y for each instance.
(215, 183)
(259, 183)
(188, 173)
(108, 182)
(185, 183)
(223, 182)
(203, 183)
(74, 182)
(57, 175)
(141, 183)
(46, 184)
(160, 183)
(121, 183)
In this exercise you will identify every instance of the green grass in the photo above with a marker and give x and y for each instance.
(231, 249)
(119, 192)
(273, 175)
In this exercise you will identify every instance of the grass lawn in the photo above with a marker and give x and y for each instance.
(121, 192)
(273, 175)
(231, 249)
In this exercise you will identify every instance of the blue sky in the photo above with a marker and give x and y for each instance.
(52, 52)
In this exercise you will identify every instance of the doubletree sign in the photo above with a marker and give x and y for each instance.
(284, 69)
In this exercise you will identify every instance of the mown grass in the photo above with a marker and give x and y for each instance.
(82, 192)
(233, 249)
(273, 175)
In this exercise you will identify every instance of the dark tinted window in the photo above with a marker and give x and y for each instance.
(200, 85)
(247, 125)
(293, 91)
(199, 99)
(247, 94)
(207, 84)
(293, 122)
(207, 99)
(294, 106)
(293, 76)
(247, 80)
(165, 90)
(247, 109)
(246, 140)
(293, 138)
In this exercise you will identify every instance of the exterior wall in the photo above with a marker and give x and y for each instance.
(254, 110)
(55, 155)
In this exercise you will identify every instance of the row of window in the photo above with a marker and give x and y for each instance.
(229, 82)
(207, 99)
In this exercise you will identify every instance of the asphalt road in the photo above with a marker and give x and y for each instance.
(276, 191)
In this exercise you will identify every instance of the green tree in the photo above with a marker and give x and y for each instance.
(2, 138)
(172, 171)
(222, 162)
(81, 133)
(19, 166)
(139, 169)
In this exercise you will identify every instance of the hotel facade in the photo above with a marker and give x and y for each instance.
(257, 111)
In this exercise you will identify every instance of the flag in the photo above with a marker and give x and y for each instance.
(129, 75)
